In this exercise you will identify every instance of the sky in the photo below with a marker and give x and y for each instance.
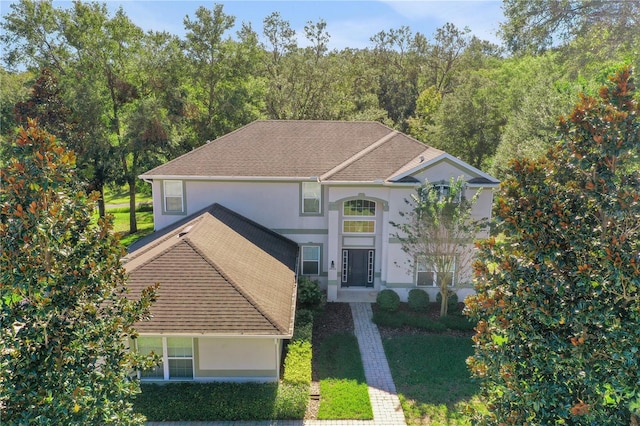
(349, 23)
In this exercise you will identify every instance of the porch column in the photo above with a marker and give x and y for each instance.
(333, 252)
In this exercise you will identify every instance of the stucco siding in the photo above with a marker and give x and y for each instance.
(238, 358)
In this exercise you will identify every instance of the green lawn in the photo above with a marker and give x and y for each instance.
(343, 388)
(432, 378)
(121, 196)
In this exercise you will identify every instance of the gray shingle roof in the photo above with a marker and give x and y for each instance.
(335, 150)
(219, 273)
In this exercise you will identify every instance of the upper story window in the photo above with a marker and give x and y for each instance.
(442, 190)
(311, 198)
(359, 217)
(173, 192)
(359, 208)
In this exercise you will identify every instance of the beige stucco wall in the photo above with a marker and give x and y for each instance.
(237, 358)
(276, 205)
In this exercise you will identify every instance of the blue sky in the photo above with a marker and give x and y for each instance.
(349, 23)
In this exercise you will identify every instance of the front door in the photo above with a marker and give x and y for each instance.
(357, 267)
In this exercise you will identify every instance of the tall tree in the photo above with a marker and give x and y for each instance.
(222, 70)
(535, 91)
(469, 121)
(535, 25)
(438, 231)
(558, 301)
(63, 298)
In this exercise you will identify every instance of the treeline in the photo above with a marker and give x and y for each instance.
(126, 100)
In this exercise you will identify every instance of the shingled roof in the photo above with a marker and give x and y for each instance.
(351, 151)
(219, 273)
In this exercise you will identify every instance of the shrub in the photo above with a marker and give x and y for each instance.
(418, 300)
(425, 323)
(309, 294)
(458, 322)
(304, 325)
(388, 300)
(452, 301)
(388, 319)
(291, 401)
(297, 365)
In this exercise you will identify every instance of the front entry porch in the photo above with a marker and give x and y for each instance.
(356, 294)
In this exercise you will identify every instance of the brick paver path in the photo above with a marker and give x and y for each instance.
(382, 391)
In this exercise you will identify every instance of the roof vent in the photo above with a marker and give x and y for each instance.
(185, 231)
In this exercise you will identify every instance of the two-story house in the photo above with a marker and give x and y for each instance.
(330, 187)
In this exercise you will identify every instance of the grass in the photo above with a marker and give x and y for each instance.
(144, 214)
(432, 379)
(343, 387)
(120, 195)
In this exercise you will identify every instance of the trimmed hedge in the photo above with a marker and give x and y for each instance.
(297, 364)
(418, 300)
(388, 300)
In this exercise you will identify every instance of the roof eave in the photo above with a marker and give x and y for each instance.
(455, 160)
(228, 178)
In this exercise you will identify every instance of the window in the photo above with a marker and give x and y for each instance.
(176, 355)
(146, 345)
(359, 226)
(442, 190)
(173, 196)
(310, 260)
(311, 196)
(361, 208)
(180, 357)
(428, 276)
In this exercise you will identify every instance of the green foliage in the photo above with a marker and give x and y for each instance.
(297, 364)
(303, 326)
(343, 386)
(221, 401)
(438, 232)
(291, 402)
(418, 300)
(558, 302)
(388, 300)
(63, 303)
(452, 300)
(433, 382)
(309, 294)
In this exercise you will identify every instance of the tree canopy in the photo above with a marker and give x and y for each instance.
(66, 315)
(558, 301)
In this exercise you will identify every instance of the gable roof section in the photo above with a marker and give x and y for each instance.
(352, 151)
(219, 273)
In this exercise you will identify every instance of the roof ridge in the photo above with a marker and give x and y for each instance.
(358, 155)
(232, 282)
(252, 222)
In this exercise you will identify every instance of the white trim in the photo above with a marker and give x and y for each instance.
(241, 178)
(443, 157)
(199, 335)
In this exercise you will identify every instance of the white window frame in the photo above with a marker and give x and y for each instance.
(423, 267)
(317, 248)
(311, 191)
(167, 194)
(165, 359)
(359, 216)
(443, 191)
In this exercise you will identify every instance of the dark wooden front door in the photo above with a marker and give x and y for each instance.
(357, 267)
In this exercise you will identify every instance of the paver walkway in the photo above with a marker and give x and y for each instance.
(382, 391)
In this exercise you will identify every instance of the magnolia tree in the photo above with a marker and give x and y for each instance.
(438, 233)
(64, 310)
(558, 301)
